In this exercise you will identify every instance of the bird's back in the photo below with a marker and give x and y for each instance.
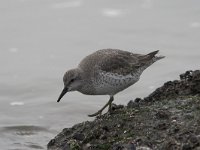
(114, 61)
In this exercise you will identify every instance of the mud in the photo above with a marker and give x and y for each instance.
(168, 119)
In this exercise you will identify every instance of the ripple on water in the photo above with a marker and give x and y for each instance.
(33, 145)
(24, 130)
(19, 137)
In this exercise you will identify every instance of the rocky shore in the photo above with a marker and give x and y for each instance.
(168, 119)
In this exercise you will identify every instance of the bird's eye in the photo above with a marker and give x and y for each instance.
(72, 80)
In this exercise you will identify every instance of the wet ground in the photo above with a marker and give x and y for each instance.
(167, 119)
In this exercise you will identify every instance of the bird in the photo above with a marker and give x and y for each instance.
(107, 72)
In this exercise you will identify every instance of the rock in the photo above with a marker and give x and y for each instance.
(143, 148)
(186, 147)
(78, 136)
(115, 107)
(73, 145)
(162, 114)
(51, 143)
(161, 126)
(124, 147)
(167, 119)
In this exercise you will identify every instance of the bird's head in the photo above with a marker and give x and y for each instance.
(72, 82)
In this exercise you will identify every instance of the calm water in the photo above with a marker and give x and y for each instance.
(41, 39)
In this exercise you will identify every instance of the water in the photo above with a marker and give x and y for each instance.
(41, 39)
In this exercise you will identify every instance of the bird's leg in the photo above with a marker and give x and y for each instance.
(100, 111)
(110, 103)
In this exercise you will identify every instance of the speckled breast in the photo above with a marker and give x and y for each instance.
(110, 83)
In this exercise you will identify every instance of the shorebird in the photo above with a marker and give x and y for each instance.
(107, 72)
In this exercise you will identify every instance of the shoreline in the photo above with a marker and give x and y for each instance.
(167, 119)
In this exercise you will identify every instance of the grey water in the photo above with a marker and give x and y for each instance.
(41, 39)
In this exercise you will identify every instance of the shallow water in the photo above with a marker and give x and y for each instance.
(41, 39)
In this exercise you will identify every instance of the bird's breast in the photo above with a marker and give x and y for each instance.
(111, 83)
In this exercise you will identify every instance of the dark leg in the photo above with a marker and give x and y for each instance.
(100, 111)
(109, 107)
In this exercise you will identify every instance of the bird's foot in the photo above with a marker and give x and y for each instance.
(98, 113)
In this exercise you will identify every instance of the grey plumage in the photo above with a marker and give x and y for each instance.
(107, 72)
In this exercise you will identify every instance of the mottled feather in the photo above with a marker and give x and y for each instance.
(116, 61)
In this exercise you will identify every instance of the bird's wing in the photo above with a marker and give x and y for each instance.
(120, 62)
(114, 61)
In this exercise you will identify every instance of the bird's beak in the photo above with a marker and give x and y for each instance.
(64, 91)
